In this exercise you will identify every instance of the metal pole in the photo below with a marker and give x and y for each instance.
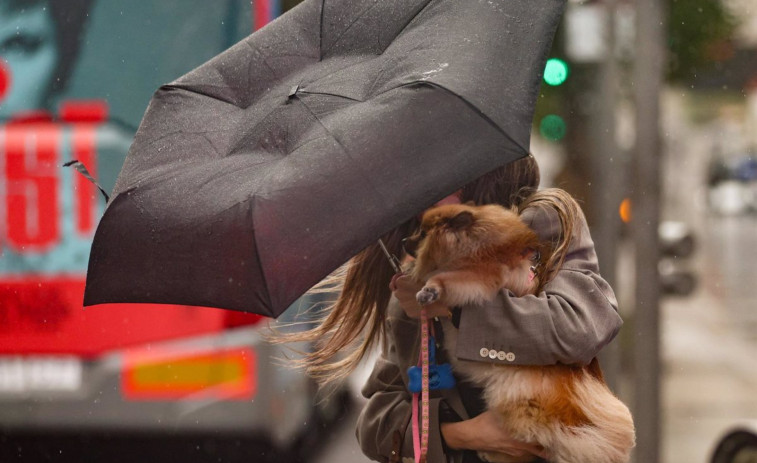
(607, 170)
(648, 75)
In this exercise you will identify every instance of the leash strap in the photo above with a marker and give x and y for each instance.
(420, 436)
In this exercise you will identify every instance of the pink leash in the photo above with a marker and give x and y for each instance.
(420, 436)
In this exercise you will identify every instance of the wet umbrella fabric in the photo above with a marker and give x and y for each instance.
(257, 174)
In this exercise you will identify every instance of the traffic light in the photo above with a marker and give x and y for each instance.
(556, 72)
(552, 126)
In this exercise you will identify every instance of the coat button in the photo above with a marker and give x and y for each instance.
(484, 352)
(501, 355)
(492, 354)
(510, 357)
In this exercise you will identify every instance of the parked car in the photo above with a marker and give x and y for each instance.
(732, 183)
(737, 445)
(677, 246)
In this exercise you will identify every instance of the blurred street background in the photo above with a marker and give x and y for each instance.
(647, 114)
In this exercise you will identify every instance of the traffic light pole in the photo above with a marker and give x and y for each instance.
(648, 76)
(608, 165)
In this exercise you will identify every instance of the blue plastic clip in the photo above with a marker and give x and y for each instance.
(439, 376)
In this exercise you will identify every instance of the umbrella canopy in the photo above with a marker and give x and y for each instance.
(257, 174)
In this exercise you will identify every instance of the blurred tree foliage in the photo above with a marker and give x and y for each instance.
(700, 36)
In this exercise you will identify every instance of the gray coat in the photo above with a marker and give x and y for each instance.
(569, 322)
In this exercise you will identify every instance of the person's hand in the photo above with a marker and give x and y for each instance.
(405, 289)
(485, 433)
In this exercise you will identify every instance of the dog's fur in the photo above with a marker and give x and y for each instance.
(465, 255)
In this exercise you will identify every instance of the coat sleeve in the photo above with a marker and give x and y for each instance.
(384, 428)
(569, 322)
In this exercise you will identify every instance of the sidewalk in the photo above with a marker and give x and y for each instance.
(709, 340)
(709, 378)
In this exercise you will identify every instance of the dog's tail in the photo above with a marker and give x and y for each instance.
(610, 437)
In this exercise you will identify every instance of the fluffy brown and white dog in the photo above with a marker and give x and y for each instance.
(466, 254)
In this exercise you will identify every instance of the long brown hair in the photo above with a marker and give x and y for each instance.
(355, 322)
(568, 211)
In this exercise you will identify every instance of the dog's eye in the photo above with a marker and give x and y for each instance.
(409, 246)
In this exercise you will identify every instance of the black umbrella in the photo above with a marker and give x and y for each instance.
(257, 174)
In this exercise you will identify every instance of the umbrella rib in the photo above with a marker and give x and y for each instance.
(307, 142)
(149, 143)
(349, 65)
(409, 21)
(433, 85)
(265, 61)
(320, 37)
(305, 92)
(344, 148)
(382, 71)
(344, 31)
(430, 84)
(257, 257)
(467, 102)
(363, 13)
(333, 137)
(194, 89)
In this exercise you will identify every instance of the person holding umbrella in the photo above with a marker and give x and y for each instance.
(569, 322)
(257, 174)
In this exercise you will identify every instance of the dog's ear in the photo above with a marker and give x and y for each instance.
(461, 220)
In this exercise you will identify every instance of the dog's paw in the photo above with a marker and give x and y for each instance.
(427, 295)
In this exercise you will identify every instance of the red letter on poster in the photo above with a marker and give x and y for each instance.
(32, 192)
(85, 151)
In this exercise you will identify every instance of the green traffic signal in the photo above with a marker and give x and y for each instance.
(552, 127)
(556, 71)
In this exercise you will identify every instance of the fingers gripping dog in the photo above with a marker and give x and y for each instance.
(464, 256)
